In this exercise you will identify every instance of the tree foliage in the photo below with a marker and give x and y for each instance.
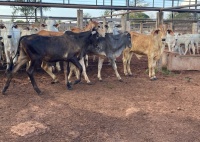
(26, 10)
(106, 13)
(138, 15)
(87, 15)
(183, 16)
(138, 3)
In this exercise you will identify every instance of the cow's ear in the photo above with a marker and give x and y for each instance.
(156, 32)
(43, 25)
(2, 26)
(171, 32)
(15, 26)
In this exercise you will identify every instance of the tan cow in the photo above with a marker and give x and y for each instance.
(150, 45)
(92, 24)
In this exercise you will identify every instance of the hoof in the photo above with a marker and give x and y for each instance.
(100, 80)
(89, 83)
(69, 88)
(76, 81)
(153, 78)
(120, 80)
(54, 81)
(130, 74)
(3, 92)
(39, 93)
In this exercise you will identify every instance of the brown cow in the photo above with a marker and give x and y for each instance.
(92, 24)
(150, 45)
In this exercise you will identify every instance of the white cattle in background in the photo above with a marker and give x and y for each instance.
(186, 40)
(170, 40)
(29, 30)
(51, 25)
(11, 35)
(195, 40)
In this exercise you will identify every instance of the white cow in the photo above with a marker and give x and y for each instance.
(186, 40)
(170, 40)
(11, 35)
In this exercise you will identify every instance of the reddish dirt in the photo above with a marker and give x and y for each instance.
(135, 110)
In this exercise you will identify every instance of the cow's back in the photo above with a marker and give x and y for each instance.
(141, 43)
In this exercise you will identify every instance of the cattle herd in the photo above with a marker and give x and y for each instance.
(43, 47)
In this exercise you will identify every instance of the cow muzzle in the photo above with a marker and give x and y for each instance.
(9, 36)
(163, 39)
(1, 38)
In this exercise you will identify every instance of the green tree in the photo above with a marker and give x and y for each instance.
(184, 16)
(26, 10)
(87, 15)
(138, 15)
(138, 3)
(106, 12)
(19, 21)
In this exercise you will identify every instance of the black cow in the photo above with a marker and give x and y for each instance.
(38, 49)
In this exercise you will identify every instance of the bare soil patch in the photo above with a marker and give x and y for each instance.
(135, 110)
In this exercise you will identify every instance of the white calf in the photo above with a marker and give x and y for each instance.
(183, 39)
(170, 40)
(11, 36)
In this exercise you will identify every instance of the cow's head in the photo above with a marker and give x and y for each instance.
(7, 29)
(170, 32)
(160, 33)
(15, 26)
(43, 25)
(51, 25)
(128, 39)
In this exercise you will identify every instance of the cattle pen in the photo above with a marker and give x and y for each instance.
(134, 109)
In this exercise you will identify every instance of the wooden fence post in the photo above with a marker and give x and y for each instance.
(80, 19)
(159, 22)
(123, 22)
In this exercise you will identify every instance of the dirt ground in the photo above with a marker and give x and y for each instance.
(135, 110)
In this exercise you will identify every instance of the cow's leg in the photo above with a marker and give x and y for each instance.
(71, 71)
(115, 69)
(86, 60)
(75, 61)
(7, 53)
(66, 72)
(49, 70)
(153, 70)
(84, 71)
(125, 62)
(129, 64)
(30, 72)
(197, 44)
(127, 55)
(100, 63)
(58, 66)
(150, 63)
(19, 64)
(186, 48)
